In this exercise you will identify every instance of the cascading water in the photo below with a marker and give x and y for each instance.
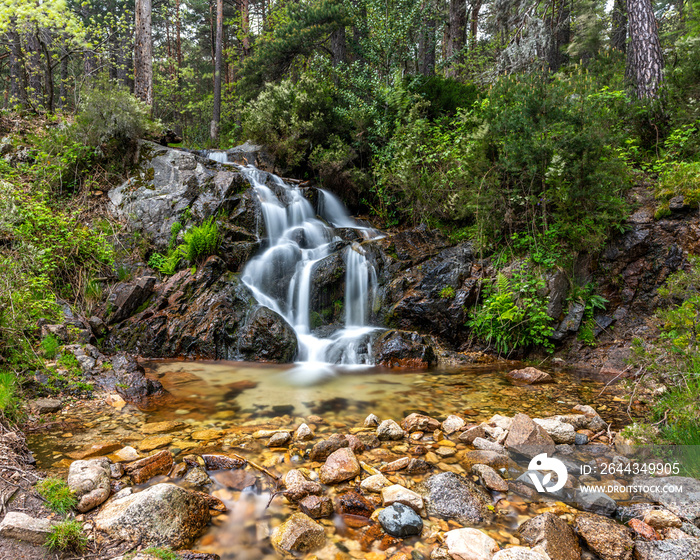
(281, 276)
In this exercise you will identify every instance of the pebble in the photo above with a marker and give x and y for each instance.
(400, 521)
(398, 494)
(375, 483)
(389, 430)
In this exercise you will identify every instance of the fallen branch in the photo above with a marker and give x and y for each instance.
(257, 467)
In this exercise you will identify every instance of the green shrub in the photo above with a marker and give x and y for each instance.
(58, 495)
(110, 112)
(49, 346)
(9, 398)
(67, 536)
(513, 315)
(448, 292)
(201, 241)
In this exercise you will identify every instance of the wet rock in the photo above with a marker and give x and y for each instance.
(572, 321)
(486, 445)
(94, 450)
(340, 466)
(298, 487)
(280, 439)
(375, 483)
(580, 439)
(397, 494)
(353, 503)
(490, 458)
(201, 314)
(606, 538)
(527, 438)
(452, 424)
(322, 450)
(220, 462)
(685, 505)
(144, 469)
(170, 182)
(468, 436)
(470, 544)
(126, 298)
(197, 477)
(22, 527)
(520, 553)
(553, 534)
(400, 521)
(662, 519)
(126, 454)
(643, 530)
(303, 433)
(559, 431)
(236, 479)
(116, 470)
(90, 482)
(317, 507)
(193, 555)
(151, 443)
(529, 376)
(417, 466)
(299, 533)
(389, 430)
(675, 549)
(46, 406)
(490, 478)
(397, 465)
(454, 497)
(403, 349)
(268, 337)
(372, 421)
(596, 502)
(129, 379)
(415, 422)
(161, 514)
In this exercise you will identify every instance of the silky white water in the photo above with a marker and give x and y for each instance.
(282, 276)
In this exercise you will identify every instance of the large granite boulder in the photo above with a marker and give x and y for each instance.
(164, 514)
(170, 182)
(90, 483)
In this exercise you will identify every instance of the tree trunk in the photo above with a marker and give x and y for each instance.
(474, 24)
(36, 93)
(143, 53)
(245, 26)
(18, 89)
(645, 65)
(618, 36)
(63, 76)
(560, 29)
(44, 39)
(178, 30)
(426, 44)
(338, 46)
(216, 117)
(456, 34)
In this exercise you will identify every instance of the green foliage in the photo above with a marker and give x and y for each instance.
(49, 346)
(9, 397)
(199, 242)
(445, 96)
(673, 360)
(592, 303)
(59, 497)
(67, 536)
(513, 316)
(162, 553)
(109, 113)
(448, 292)
(175, 230)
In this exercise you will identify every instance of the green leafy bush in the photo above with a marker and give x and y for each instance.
(199, 242)
(58, 495)
(49, 346)
(110, 112)
(9, 401)
(67, 536)
(513, 316)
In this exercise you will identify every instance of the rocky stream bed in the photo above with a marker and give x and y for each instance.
(428, 450)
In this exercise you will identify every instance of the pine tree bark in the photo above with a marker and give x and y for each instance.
(426, 45)
(618, 36)
(338, 46)
(645, 60)
(18, 88)
(216, 117)
(560, 29)
(34, 70)
(245, 24)
(474, 22)
(143, 52)
(456, 34)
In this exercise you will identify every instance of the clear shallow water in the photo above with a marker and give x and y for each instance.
(220, 405)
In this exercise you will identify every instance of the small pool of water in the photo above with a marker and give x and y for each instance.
(218, 406)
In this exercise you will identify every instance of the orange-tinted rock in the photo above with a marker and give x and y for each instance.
(144, 469)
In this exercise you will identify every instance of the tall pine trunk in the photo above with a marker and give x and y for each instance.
(645, 59)
(216, 117)
(143, 53)
(18, 86)
(456, 34)
(618, 35)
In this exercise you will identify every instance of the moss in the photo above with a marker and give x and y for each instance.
(315, 320)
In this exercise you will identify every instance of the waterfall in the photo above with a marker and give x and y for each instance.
(281, 277)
